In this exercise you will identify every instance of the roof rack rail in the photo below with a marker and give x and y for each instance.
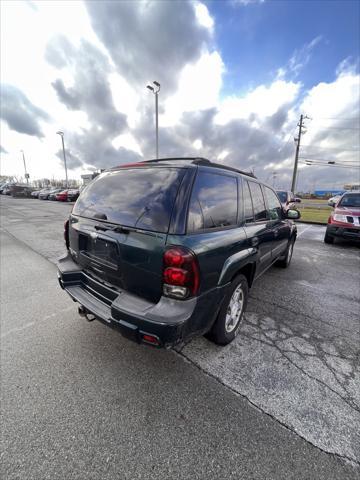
(190, 159)
(198, 161)
(233, 169)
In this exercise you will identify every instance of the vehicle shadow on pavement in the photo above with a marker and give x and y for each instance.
(285, 366)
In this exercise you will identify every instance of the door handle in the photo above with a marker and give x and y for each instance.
(255, 241)
(276, 233)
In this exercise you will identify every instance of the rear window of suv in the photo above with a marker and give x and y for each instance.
(136, 197)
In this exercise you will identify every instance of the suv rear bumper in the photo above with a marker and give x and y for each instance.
(170, 321)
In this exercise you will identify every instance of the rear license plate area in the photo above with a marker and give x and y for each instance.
(100, 250)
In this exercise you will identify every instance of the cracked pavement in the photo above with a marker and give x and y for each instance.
(297, 355)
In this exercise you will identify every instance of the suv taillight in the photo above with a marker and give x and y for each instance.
(181, 276)
(66, 234)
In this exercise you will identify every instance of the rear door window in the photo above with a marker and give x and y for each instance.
(283, 196)
(135, 197)
(214, 202)
(258, 202)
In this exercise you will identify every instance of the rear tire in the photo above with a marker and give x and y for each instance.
(328, 238)
(285, 262)
(231, 313)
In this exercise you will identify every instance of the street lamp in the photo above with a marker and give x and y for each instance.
(63, 146)
(156, 91)
(26, 174)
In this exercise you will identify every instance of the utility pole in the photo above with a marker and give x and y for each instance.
(63, 148)
(274, 174)
(156, 91)
(26, 174)
(297, 140)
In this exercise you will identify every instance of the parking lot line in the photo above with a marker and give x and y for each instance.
(305, 229)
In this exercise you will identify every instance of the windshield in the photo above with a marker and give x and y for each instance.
(350, 200)
(135, 197)
(282, 196)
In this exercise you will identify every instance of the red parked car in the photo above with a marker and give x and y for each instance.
(62, 196)
(344, 222)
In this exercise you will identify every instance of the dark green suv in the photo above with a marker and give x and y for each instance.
(167, 249)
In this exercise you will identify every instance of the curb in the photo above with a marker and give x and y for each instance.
(311, 223)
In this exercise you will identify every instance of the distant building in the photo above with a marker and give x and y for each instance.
(327, 193)
(352, 186)
(86, 178)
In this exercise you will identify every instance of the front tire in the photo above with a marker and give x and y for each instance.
(231, 312)
(285, 262)
(328, 238)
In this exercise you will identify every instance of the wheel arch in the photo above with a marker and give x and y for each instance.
(243, 262)
(248, 271)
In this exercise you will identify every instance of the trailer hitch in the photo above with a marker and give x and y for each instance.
(84, 313)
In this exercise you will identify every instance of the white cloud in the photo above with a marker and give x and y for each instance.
(198, 144)
(300, 58)
(198, 88)
(203, 16)
(333, 100)
(24, 34)
(223, 155)
(125, 98)
(127, 140)
(263, 101)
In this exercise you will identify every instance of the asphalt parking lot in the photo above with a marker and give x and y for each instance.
(79, 401)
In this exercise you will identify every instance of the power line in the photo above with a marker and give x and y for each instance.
(336, 118)
(322, 165)
(337, 128)
(332, 165)
(326, 160)
(332, 148)
(329, 165)
(288, 140)
(307, 157)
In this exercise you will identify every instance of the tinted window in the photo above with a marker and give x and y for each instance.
(137, 197)
(213, 202)
(274, 205)
(258, 201)
(248, 207)
(350, 200)
(282, 196)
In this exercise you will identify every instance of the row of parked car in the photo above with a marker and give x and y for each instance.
(59, 194)
(5, 188)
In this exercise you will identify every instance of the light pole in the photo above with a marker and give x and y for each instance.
(26, 174)
(156, 91)
(63, 146)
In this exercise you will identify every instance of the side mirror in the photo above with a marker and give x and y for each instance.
(293, 214)
(331, 203)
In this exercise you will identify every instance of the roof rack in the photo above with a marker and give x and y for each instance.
(194, 160)
(171, 159)
(233, 169)
(201, 161)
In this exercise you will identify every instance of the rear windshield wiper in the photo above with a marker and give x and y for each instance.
(121, 229)
(116, 228)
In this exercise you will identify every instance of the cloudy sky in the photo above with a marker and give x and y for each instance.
(235, 76)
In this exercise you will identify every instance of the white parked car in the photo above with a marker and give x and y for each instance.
(333, 200)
